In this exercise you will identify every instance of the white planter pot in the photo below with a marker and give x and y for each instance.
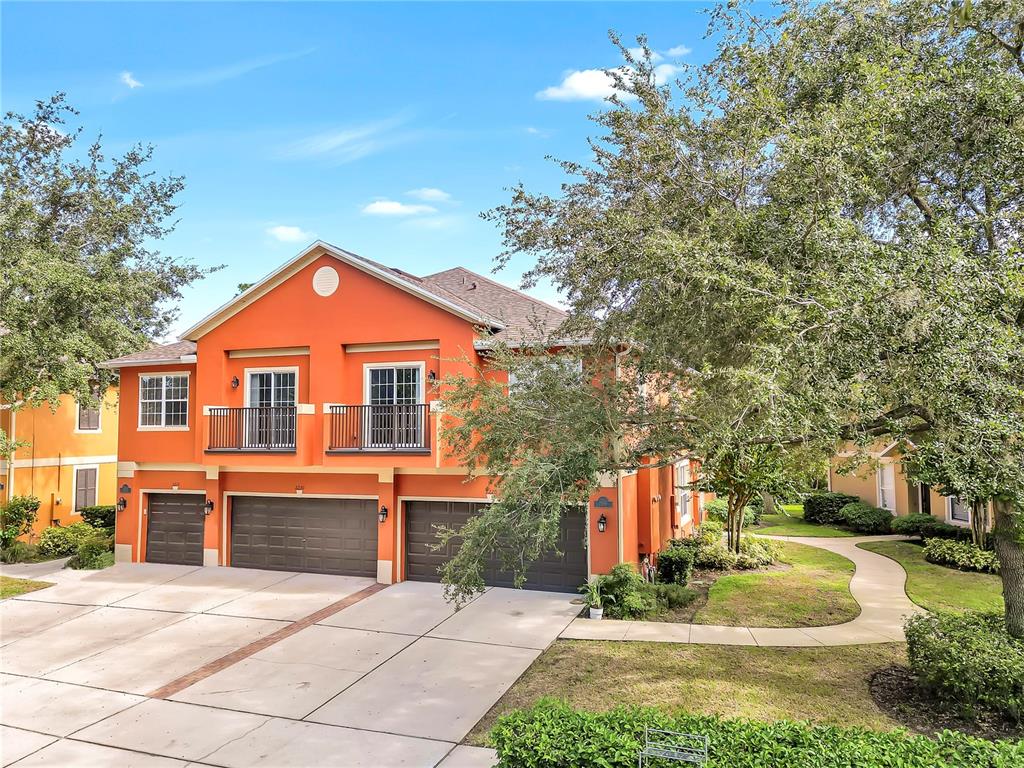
(596, 613)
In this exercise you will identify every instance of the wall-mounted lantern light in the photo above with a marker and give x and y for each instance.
(122, 504)
(602, 523)
(234, 382)
(432, 376)
(298, 490)
(383, 514)
(208, 506)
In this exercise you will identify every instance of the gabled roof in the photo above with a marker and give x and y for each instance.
(436, 295)
(178, 352)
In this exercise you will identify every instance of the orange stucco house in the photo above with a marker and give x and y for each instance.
(296, 428)
(67, 457)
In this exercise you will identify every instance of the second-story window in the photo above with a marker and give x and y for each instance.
(88, 419)
(163, 401)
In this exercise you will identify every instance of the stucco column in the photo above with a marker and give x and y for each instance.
(387, 568)
(214, 527)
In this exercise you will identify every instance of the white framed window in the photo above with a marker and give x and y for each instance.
(163, 401)
(682, 491)
(87, 419)
(84, 486)
(887, 487)
(271, 387)
(957, 512)
(393, 383)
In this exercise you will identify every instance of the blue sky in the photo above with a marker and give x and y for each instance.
(384, 129)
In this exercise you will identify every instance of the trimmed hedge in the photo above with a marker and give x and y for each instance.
(968, 662)
(553, 735)
(865, 518)
(93, 553)
(99, 516)
(960, 554)
(823, 508)
(58, 541)
(718, 509)
(675, 564)
(928, 527)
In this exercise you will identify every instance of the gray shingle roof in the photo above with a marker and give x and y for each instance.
(160, 353)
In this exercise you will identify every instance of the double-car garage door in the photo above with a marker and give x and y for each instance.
(563, 572)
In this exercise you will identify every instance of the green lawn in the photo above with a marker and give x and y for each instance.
(790, 522)
(937, 588)
(814, 591)
(10, 587)
(823, 685)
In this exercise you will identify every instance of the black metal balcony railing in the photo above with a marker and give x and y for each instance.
(252, 429)
(379, 428)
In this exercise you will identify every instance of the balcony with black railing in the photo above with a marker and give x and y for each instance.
(267, 429)
(379, 428)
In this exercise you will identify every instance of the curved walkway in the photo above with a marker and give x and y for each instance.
(877, 584)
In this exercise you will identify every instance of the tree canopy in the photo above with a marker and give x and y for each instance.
(80, 278)
(814, 238)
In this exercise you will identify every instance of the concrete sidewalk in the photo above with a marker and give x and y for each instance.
(877, 585)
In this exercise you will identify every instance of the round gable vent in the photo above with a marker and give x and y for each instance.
(325, 281)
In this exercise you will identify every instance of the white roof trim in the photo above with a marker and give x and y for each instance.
(158, 361)
(271, 281)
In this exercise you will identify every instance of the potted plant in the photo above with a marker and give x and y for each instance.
(594, 599)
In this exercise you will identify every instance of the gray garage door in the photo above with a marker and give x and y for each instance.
(174, 533)
(557, 573)
(313, 535)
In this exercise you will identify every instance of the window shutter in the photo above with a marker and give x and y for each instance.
(88, 418)
(85, 488)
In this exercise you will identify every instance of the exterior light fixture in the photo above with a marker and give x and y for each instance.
(602, 523)
(383, 514)
(208, 506)
(234, 382)
(122, 504)
(432, 376)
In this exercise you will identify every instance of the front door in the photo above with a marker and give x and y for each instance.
(394, 421)
(270, 417)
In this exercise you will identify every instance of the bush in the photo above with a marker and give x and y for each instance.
(718, 510)
(675, 564)
(18, 552)
(59, 541)
(865, 518)
(757, 553)
(93, 553)
(823, 508)
(928, 527)
(628, 595)
(672, 596)
(553, 735)
(969, 662)
(960, 554)
(17, 517)
(101, 516)
(712, 554)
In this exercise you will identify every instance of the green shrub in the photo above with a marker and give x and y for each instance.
(960, 554)
(19, 552)
(865, 518)
(928, 527)
(709, 532)
(672, 596)
(823, 508)
(754, 553)
(59, 541)
(968, 661)
(626, 593)
(718, 510)
(93, 553)
(100, 516)
(553, 735)
(675, 563)
(17, 517)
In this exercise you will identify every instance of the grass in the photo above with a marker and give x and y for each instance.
(790, 522)
(823, 685)
(11, 587)
(937, 588)
(813, 592)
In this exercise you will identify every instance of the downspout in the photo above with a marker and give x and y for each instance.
(620, 473)
(10, 462)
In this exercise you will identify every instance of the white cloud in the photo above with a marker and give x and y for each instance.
(679, 50)
(288, 234)
(663, 73)
(128, 79)
(582, 85)
(396, 208)
(344, 145)
(430, 194)
(638, 53)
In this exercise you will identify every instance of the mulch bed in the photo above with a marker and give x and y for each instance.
(896, 694)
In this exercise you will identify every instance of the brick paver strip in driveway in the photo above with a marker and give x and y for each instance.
(183, 682)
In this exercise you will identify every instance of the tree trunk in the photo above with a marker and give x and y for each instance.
(1009, 534)
(734, 520)
(769, 503)
(979, 523)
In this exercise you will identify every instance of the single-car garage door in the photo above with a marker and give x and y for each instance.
(558, 573)
(174, 533)
(313, 535)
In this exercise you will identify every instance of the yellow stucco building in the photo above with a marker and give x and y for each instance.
(69, 459)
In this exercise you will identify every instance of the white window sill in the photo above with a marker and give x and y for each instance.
(164, 429)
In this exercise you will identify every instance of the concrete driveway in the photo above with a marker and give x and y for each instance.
(159, 665)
